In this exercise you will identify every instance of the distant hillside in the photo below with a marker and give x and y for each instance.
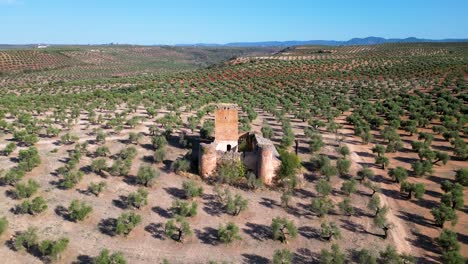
(88, 62)
(354, 41)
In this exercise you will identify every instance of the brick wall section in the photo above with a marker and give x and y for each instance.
(226, 123)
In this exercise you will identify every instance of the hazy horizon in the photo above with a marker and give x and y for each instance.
(187, 22)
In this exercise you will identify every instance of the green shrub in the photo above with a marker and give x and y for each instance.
(231, 171)
(180, 165)
(27, 239)
(461, 176)
(346, 207)
(102, 151)
(236, 204)
(28, 159)
(177, 229)
(78, 210)
(349, 187)
(53, 249)
(282, 256)
(267, 131)
(3, 225)
(159, 155)
(13, 176)
(329, 231)
(9, 148)
(229, 233)
(106, 258)
(283, 229)
(98, 165)
(192, 189)
(343, 166)
(147, 175)
(184, 209)
(138, 199)
(71, 179)
(333, 257)
(126, 222)
(321, 206)
(96, 188)
(34, 207)
(26, 190)
(399, 174)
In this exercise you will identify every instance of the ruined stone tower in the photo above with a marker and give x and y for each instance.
(259, 156)
(226, 127)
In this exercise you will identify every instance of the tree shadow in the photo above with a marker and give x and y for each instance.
(463, 238)
(358, 212)
(212, 206)
(208, 236)
(353, 227)
(302, 210)
(303, 193)
(443, 148)
(58, 184)
(130, 180)
(433, 194)
(254, 259)
(11, 194)
(63, 212)
(436, 179)
(415, 218)
(121, 202)
(364, 154)
(33, 250)
(258, 231)
(309, 232)
(107, 226)
(148, 159)
(424, 242)
(175, 192)
(382, 179)
(156, 230)
(393, 194)
(167, 165)
(161, 212)
(83, 259)
(429, 204)
(305, 256)
(269, 203)
(369, 165)
(406, 159)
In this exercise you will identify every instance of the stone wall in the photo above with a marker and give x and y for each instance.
(268, 164)
(207, 160)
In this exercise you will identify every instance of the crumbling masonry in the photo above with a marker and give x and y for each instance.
(258, 154)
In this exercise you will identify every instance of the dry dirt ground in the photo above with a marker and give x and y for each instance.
(412, 221)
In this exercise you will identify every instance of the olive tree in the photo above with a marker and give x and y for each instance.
(228, 233)
(177, 229)
(329, 231)
(138, 199)
(147, 175)
(79, 210)
(409, 188)
(126, 222)
(105, 257)
(283, 229)
(282, 256)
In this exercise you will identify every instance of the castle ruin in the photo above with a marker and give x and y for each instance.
(258, 154)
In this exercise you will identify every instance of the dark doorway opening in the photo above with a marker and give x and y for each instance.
(228, 147)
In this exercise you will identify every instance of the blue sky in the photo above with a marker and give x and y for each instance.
(192, 21)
